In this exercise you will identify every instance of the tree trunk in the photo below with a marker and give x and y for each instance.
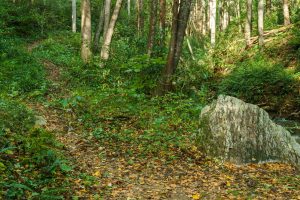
(286, 13)
(208, 16)
(86, 33)
(238, 10)
(140, 17)
(110, 31)
(107, 6)
(199, 16)
(181, 12)
(224, 15)
(261, 22)
(162, 20)
(213, 14)
(170, 65)
(99, 28)
(128, 7)
(221, 14)
(74, 16)
(248, 24)
(204, 19)
(152, 25)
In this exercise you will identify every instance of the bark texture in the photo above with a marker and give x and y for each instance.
(107, 6)
(152, 26)
(286, 13)
(74, 16)
(261, 23)
(248, 23)
(109, 33)
(181, 11)
(99, 28)
(243, 133)
(128, 7)
(213, 15)
(162, 19)
(86, 28)
(140, 17)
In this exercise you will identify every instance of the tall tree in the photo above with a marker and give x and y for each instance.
(204, 19)
(162, 21)
(152, 26)
(248, 24)
(286, 13)
(260, 22)
(162, 17)
(109, 33)
(107, 6)
(181, 11)
(99, 27)
(86, 28)
(212, 17)
(140, 16)
(128, 7)
(224, 14)
(74, 16)
(238, 14)
(208, 16)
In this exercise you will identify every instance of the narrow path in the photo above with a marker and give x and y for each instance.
(101, 172)
(63, 123)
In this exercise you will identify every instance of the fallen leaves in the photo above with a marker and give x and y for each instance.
(113, 170)
(196, 196)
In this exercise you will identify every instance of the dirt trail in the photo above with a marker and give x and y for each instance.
(114, 177)
(101, 172)
(62, 123)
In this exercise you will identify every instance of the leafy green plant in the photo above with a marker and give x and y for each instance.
(29, 157)
(143, 72)
(19, 72)
(257, 80)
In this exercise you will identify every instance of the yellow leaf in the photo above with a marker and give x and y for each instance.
(228, 184)
(97, 173)
(194, 148)
(196, 196)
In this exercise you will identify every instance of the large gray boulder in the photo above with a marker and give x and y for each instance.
(242, 133)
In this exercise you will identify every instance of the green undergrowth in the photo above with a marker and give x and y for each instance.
(31, 163)
(31, 166)
(156, 127)
(269, 78)
(61, 48)
(30, 21)
(20, 73)
(114, 105)
(260, 82)
(111, 102)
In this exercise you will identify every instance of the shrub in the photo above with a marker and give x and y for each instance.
(258, 80)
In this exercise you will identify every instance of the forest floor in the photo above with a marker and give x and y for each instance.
(101, 172)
